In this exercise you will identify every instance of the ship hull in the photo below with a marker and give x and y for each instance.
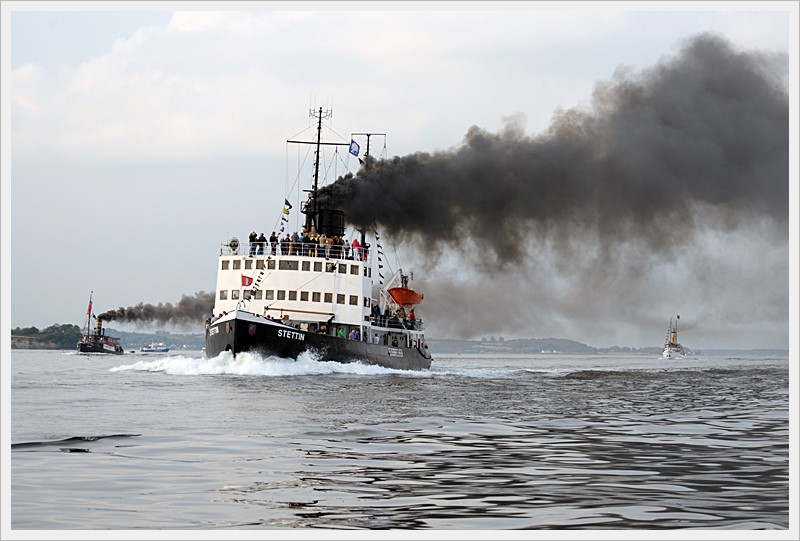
(672, 351)
(88, 347)
(249, 333)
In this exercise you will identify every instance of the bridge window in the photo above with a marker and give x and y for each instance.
(281, 295)
(258, 294)
(340, 299)
(269, 294)
(354, 269)
(317, 266)
(329, 297)
(306, 265)
(223, 295)
(354, 300)
(330, 267)
(304, 296)
(288, 265)
(248, 265)
(342, 268)
(260, 264)
(271, 264)
(226, 264)
(293, 295)
(247, 293)
(237, 264)
(234, 294)
(315, 296)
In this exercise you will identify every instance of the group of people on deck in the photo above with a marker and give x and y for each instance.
(334, 247)
(396, 319)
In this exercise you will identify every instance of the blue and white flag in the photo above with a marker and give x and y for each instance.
(354, 148)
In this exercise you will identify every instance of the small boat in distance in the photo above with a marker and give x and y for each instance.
(97, 341)
(671, 345)
(155, 347)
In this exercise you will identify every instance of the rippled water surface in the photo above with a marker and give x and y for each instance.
(177, 441)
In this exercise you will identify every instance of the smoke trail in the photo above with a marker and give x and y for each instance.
(698, 140)
(188, 311)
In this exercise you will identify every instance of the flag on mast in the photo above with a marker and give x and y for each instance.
(89, 311)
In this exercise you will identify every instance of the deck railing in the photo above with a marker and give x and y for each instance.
(300, 249)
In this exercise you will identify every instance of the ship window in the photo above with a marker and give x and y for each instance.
(237, 264)
(354, 300)
(226, 264)
(247, 293)
(342, 268)
(271, 264)
(234, 294)
(306, 265)
(281, 295)
(293, 295)
(315, 296)
(258, 295)
(223, 294)
(367, 272)
(354, 269)
(366, 302)
(304, 295)
(288, 265)
(329, 297)
(330, 267)
(339, 299)
(248, 265)
(317, 266)
(260, 264)
(269, 295)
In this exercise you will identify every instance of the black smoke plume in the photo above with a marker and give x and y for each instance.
(189, 311)
(700, 139)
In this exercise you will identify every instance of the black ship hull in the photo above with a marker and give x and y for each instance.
(247, 332)
(93, 347)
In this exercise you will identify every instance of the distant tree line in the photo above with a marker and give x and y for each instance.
(53, 337)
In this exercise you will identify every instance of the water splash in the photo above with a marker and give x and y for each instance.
(253, 364)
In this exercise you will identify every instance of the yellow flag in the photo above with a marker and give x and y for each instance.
(286, 211)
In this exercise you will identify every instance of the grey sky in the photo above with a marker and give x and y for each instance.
(139, 141)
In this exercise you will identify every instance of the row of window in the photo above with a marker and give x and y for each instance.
(281, 295)
(288, 264)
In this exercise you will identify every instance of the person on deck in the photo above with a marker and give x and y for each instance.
(262, 243)
(252, 237)
(273, 242)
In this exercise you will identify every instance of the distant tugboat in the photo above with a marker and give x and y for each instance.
(97, 341)
(315, 294)
(671, 345)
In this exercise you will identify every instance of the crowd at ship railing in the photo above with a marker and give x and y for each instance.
(334, 247)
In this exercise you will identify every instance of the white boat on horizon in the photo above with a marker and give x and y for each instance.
(155, 347)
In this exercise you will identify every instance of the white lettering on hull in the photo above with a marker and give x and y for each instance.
(213, 330)
(283, 333)
(395, 352)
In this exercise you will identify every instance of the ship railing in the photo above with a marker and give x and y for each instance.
(391, 323)
(314, 251)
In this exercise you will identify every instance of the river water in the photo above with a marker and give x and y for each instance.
(485, 442)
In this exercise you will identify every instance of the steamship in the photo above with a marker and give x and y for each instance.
(287, 298)
(97, 341)
(671, 345)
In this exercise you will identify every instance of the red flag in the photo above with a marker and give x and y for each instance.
(89, 311)
(246, 280)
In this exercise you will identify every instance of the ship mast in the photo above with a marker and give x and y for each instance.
(367, 164)
(319, 115)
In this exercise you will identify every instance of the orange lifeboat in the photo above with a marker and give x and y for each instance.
(405, 297)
